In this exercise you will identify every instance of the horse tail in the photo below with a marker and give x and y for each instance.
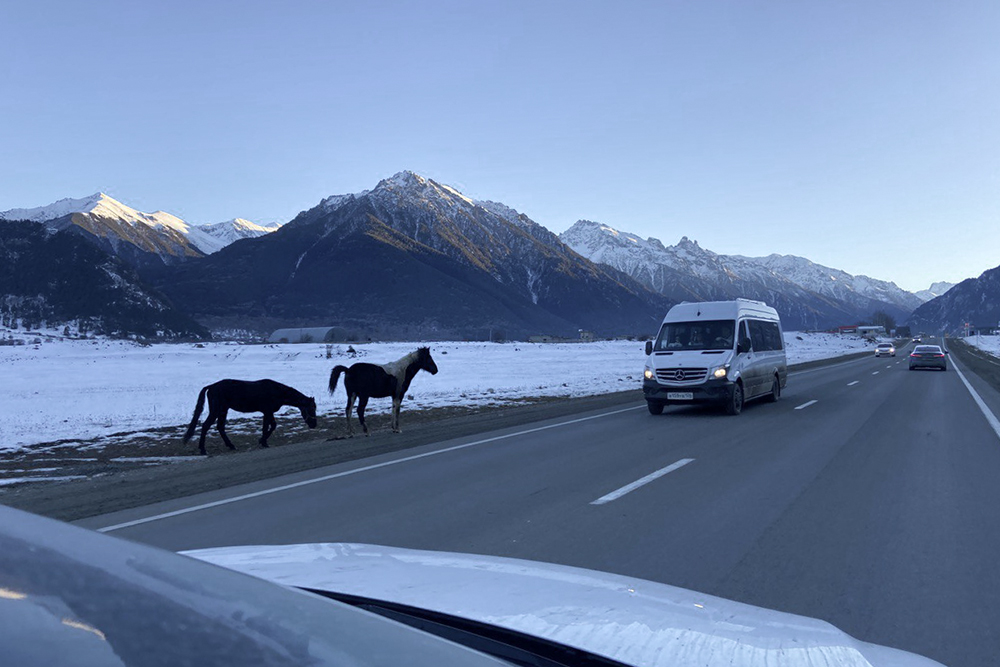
(335, 375)
(197, 413)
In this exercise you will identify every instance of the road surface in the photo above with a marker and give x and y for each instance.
(868, 496)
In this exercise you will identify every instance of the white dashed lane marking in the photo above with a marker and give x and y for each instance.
(628, 488)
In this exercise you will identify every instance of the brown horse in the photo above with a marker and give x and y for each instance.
(266, 396)
(363, 381)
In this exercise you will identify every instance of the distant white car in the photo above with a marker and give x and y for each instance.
(885, 349)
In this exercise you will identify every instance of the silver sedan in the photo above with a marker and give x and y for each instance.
(928, 356)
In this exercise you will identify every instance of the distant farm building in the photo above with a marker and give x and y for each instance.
(863, 330)
(585, 337)
(871, 330)
(313, 335)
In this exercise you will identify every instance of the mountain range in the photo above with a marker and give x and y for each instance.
(808, 295)
(416, 258)
(413, 257)
(142, 239)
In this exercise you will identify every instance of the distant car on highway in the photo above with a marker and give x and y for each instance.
(928, 356)
(916, 339)
(885, 349)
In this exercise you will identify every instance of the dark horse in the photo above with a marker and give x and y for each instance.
(265, 396)
(363, 381)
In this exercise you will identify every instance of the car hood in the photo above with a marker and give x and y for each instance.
(631, 620)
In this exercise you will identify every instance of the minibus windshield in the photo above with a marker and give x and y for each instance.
(704, 335)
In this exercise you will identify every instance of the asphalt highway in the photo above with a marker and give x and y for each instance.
(868, 496)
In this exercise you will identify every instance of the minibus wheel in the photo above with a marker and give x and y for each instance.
(775, 391)
(735, 403)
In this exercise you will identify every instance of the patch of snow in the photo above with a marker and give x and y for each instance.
(988, 344)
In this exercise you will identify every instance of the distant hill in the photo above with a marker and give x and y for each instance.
(60, 278)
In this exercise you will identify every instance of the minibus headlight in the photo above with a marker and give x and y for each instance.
(648, 374)
(720, 372)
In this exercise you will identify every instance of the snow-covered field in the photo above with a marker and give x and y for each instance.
(990, 344)
(84, 389)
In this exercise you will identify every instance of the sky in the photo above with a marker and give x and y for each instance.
(862, 135)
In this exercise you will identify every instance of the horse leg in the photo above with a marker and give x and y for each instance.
(269, 425)
(350, 407)
(222, 429)
(396, 403)
(204, 431)
(213, 415)
(362, 403)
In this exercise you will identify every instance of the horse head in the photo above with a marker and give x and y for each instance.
(425, 360)
(308, 411)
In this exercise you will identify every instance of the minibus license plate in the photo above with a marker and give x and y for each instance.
(680, 395)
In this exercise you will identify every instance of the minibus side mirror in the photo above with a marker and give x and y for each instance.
(649, 347)
(742, 347)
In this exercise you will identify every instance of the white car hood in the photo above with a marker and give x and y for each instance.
(634, 621)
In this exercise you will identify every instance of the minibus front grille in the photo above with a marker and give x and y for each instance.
(681, 375)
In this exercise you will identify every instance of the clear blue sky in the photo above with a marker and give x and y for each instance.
(862, 135)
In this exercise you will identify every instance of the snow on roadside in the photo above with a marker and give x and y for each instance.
(989, 344)
(84, 389)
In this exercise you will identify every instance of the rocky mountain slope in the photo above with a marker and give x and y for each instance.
(61, 278)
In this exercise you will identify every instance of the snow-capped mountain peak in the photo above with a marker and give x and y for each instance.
(100, 205)
(61, 208)
(221, 234)
(934, 291)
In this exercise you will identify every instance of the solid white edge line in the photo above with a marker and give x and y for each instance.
(990, 417)
(346, 473)
(806, 405)
(628, 488)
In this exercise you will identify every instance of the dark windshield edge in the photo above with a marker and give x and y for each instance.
(515, 647)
